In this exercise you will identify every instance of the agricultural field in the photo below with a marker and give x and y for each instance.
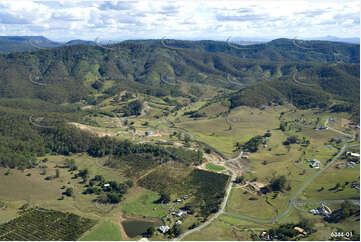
(42, 224)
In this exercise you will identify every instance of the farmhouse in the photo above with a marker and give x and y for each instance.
(315, 163)
(323, 210)
(356, 155)
(163, 228)
(180, 213)
(301, 230)
(148, 132)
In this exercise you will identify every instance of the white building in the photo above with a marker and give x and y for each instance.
(315, 163)
(180, 213)
(163, 228)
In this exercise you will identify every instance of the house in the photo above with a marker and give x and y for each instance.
(322, 127)
(106, 185)
(355, 185)
(180, 213)
(179, 200)
(148, 132)
(323, 210)
(185, 197)
(356, 155)
(244, 155)
(315, 163)
(163, 228)
(313, 211)
(178, 222)
(265, 236)
(301, 230)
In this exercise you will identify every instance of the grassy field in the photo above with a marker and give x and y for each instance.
(143, 204)
(227, 228)
(106, 231)
(240, 202)
(280, 160)
(214, 167)
(242, 124)
(328, 180)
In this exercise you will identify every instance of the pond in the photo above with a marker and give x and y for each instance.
(135, 227)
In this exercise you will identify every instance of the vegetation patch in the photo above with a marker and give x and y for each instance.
(206, 188)
(211, 166)
(35, 224)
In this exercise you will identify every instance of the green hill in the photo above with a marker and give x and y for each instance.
(69, 74)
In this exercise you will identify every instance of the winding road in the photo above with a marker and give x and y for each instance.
(302, 83)
(223, 205)
(291, 202)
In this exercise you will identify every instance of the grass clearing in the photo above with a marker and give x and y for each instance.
(143, 204)
(214, 167)
(106, 231)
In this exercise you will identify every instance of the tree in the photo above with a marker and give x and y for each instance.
(150, 232)
(84, 174)
(187, 138)
(164, 197)
(176, 230)
(129, 183)
(278, 183)
(268, 134)
(114, 197)
(69, 192)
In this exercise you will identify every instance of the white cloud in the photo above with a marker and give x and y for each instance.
(202, 19)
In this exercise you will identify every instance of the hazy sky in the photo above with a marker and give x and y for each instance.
(65, 20)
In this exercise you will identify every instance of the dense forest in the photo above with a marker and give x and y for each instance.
(21, 141)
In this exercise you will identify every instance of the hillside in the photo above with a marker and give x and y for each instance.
(70, 73)
(308, 87)
(280, 50)
(9, 44)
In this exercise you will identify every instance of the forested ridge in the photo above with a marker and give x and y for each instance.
(56, 82)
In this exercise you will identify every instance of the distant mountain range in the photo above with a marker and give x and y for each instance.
(10, 44)
(336, 39)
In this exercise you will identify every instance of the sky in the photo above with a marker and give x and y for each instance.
(197, 19)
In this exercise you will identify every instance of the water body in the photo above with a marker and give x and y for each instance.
(135, 227)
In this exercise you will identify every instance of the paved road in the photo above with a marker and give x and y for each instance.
(304, 185)
(223, 205)
(291, 202)
(293, 199)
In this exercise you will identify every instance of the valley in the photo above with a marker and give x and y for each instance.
(149, 142)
